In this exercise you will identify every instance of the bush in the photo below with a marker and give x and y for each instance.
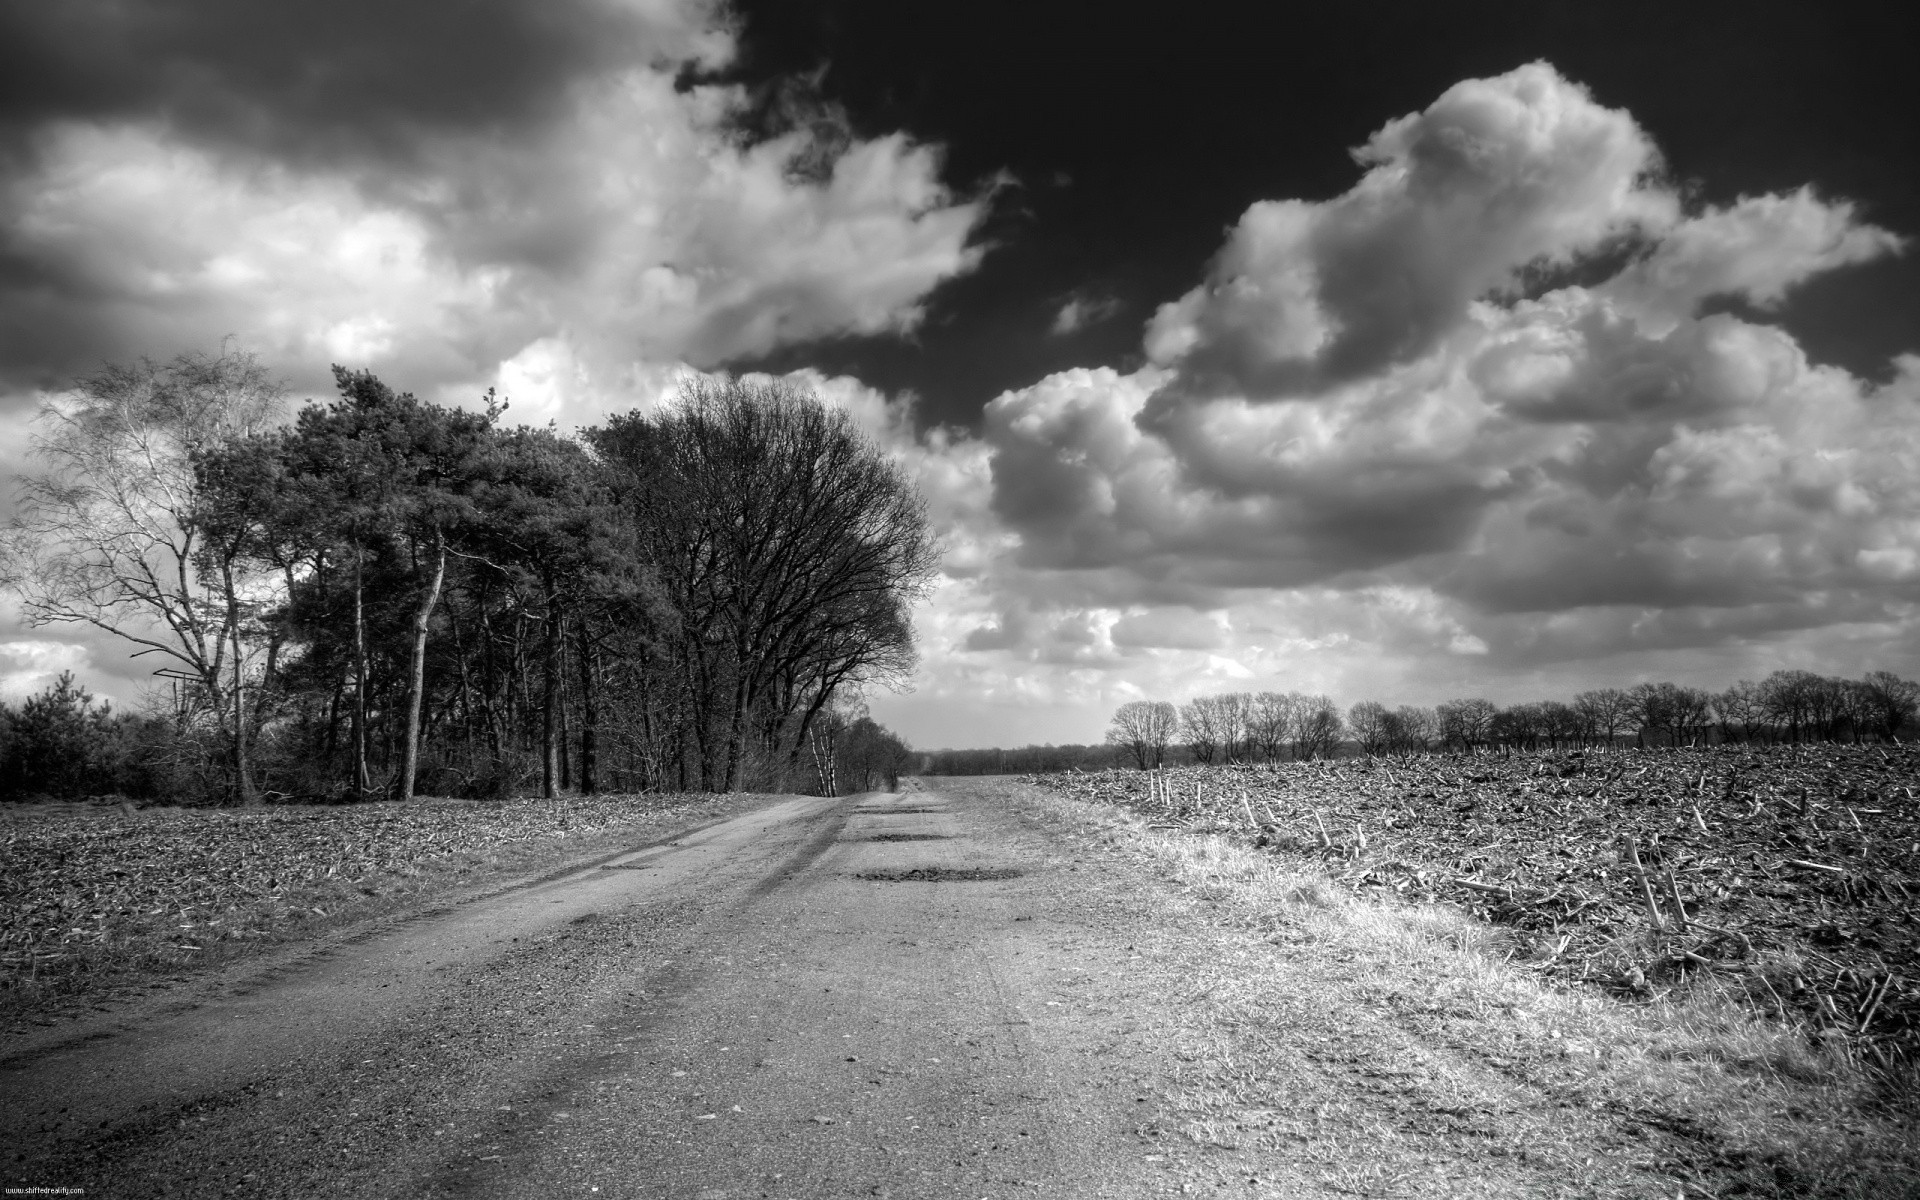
(64, 745)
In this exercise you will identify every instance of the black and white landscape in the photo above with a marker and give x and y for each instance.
(519, 516)
(1398, 353)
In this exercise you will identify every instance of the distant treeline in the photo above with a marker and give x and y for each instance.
(386, 594)
(1025, 760)
(1787, 706)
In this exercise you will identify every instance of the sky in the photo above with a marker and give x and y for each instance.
(1388, 351)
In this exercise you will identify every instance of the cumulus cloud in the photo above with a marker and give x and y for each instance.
(1388, 428)
(589, 198)
(27, 667)
(1496, 176)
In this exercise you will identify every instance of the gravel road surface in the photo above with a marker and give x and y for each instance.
(822, 998)
(952, 992)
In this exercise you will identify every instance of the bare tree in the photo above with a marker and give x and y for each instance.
(1890, 702)
(1235, 711)
(1413, 729)
(1372, 726)
(1465, 723)
(111, 532)
(1792, 699)
(1320, 728)
(1270, 723)
(1143, 728)
(1604, 712)
(1738, 710)
(1200, 726)
(824, 734)
(1164, 726)
(1558, 722)
(791, 548)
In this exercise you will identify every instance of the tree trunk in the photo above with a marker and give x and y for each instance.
(736, 732)
(242, 770)
(417, 674)
(362, 781)
(550, 700)
(589, 716)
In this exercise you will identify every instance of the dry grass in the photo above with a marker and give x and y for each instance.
(1692, 1089)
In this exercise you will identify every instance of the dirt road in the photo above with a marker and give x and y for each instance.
(930, 994)
(751, 1010)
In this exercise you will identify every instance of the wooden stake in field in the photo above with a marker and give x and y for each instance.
(1679, 909)
(1646, 885)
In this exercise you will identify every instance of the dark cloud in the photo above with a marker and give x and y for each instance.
(327, 80)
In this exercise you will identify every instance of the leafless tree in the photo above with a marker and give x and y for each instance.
(1791, 700)
(1890, 702)
(1604, 713)
(1371, 725)
(791, 548)
(1320, 728)
(1558, 722)
(1270, 723)
(109, 532)
(1143, 728)
(1413, 729)
(1738, 711)
(1465, 723)
(1200, 726)
(1236, 714)
(824, 734)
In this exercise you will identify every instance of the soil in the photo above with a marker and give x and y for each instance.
(949, 992)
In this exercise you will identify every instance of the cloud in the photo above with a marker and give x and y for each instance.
(1391, 436)
(1079, 312)
(321, 210)
(335, 82)
(29, 667)
(1497, 176)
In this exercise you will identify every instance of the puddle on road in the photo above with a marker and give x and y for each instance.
(939, 874)
(903, 837)
(895, 812)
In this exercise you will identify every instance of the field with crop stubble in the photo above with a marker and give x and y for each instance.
(1783, 877)
(101, 896)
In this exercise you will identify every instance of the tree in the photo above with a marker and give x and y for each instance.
(113, 534)
(546, 515)
(1143, 728)
(1558, 722)
(1372, 726)
(1270, 722)
(1603, 712)
(824, 735)
(1792, 699)
(871, 756)
(790, 548)
(1738, 710)
(1201, 727)
(1465, 723)
(1320, 728)
(374, 473)
(1413, 729)
(1234, 711)
(1889, 702)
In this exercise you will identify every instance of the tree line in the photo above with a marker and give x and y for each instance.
(385, 595)
(1786, 706)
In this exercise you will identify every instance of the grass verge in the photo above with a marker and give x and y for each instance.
(1692, 1089)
